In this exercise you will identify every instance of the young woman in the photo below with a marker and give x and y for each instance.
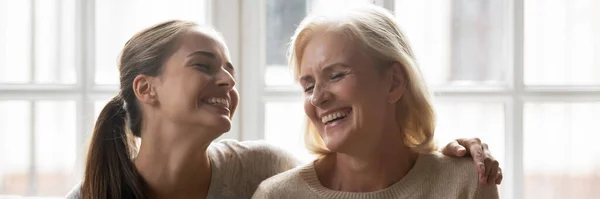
(370, 116)
(177, 94)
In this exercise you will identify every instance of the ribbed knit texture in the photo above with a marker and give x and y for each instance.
(432, 176)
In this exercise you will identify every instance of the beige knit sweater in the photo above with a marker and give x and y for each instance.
(433, 176)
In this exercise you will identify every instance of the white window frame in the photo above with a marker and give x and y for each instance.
(256, 94)
(243, 27)
(85, 91)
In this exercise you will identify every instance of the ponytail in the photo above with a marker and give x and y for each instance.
(109, 170)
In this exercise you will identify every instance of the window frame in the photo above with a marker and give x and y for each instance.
(242, 24)
(255, 93)
(84, 92)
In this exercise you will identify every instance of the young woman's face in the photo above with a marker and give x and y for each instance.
(345, 94)
(197, 84)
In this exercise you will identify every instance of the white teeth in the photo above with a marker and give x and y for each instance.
(333, 116)
(214, 100)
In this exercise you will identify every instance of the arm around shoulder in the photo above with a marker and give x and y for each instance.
(273, 157)
(487, 192)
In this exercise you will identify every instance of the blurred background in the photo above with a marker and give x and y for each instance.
(522, 75)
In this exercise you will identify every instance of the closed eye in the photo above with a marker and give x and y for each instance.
(308, 89)
(202, 67)
(337, 76)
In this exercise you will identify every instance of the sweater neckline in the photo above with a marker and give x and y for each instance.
(401, 189)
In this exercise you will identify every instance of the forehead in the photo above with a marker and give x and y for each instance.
(193, 41)
(327, 48)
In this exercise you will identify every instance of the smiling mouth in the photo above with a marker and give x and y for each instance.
(335, 116)
(218, 102)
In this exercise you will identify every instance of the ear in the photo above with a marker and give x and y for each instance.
(398, 82)
(144, 90)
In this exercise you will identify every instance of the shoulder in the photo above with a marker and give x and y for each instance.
(461, 172)
(460, 166)
(258, 147)
(75, 193)
(253, 151)
(282, 185)
(242, 166)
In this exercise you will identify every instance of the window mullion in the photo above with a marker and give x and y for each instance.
(514, 138)
(251, 78)
(84, 22)
(32, 149)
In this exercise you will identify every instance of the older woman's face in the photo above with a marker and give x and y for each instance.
(345, 94)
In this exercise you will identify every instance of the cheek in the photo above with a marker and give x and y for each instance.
(309, 109)
(234, 100)
(346, 89)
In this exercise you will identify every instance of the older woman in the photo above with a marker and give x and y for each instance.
(370, 116)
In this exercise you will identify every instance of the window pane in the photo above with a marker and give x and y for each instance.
(47, 170)
(98, 106)
(561, 153)
(55, 147)
(283, 16)
(458, 42)
(118, 20)
(15, 136)
(562, 42)
(471, 119)
(42, 42)
(15, 41)
(55, 41)
(284, 127)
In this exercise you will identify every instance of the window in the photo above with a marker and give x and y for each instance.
(58, 64)
(526, 72)
(523, 75)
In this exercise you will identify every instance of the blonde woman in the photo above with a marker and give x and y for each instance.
(178, 95)
(370, 116)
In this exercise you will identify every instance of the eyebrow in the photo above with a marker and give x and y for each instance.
(203, 53)
(325, 68)
(212, 56)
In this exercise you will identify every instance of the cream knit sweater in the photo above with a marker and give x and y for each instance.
(433, 176)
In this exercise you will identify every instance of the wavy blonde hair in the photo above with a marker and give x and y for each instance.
(376, 30)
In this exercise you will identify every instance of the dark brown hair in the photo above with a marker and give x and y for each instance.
(109, 170)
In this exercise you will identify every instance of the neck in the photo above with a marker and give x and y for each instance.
(374, 170)
(174, 162)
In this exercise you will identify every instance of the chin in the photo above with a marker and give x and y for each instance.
(336, 144)
(344, 141)
(218, 125)
(221, 127)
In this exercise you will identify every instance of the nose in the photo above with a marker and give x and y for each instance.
(225, 79)
(320, 97)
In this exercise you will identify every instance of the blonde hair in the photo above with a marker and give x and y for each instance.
(376, 31)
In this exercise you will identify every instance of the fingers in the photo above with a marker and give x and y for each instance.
(454, 149)
(499, 176)
(487, 167)
(491, 177)
(476, 150)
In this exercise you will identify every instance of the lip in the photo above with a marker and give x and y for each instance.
(223, 108)
(347, 109)
(331, 126)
